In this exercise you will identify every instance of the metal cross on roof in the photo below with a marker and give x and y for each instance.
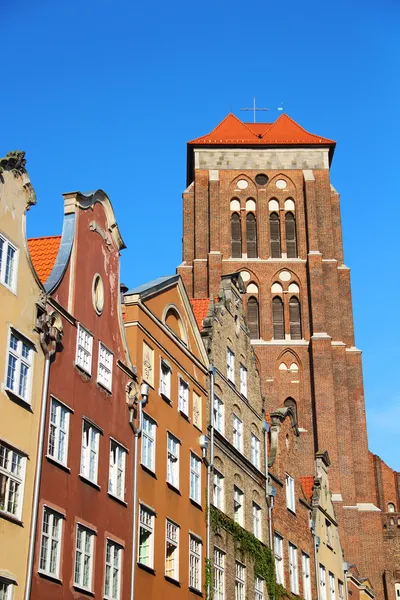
(255, 109)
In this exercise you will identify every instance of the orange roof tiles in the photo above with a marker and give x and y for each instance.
(43, 253)
(200, 309)
(284, 131)
(307, 483)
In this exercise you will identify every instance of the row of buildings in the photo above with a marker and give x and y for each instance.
(202, 434)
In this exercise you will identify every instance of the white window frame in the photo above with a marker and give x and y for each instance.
(240, 581)
(255, 450)
(219, 490)
(293, 569)
(259, 587)
(112, 570)
(171, 563)
(51, 542)
(219, 574)
(148, 446)
(306, 575)
(146, 524)
(290, 493)
(279, 559)
(165, 379)
(4, 263)
(57, 447)
(173, 464)
(257, 521)
(219, 415)
(84, 554)
(195, 564)
(332, 587)
(237, 432)
(322, 582)
(328, 533)
(12, 471)
(105, 367)
(230, 365)
(341, 590)
(183, 397)
(84, 349)
(19, 365)
(195, 478)
(117, 470)
(90, 451)
(238, 505)
(243, 380)
(6, 589)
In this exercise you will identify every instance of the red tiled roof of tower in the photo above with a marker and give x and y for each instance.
(284, 130)
(43, 251)
(200, 309)
(307, 483)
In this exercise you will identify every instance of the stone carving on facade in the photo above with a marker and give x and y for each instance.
(50, 329)
(132, 392)
(277, 418)
(93, 226)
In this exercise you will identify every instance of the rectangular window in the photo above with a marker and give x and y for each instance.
(305, 567)
(112, 579)
(195, 478)
(50, 543)
(230, 365)
(173, 460)
(341, 590)
(84, 557)
(278, 551)
(257, 521)
(255, 450)
(165, 380)
(148, 442)
(116, 476)
(219, 420)
(332, 589)
(19, 366)
(290, 500)
(104, 370)
(8, 263)
(219, 574)
(237, 433)
(293, 570)
(183, 400)
(218, 500)
(240, 581)
(328, 533)
(322, 582)
(197, 410)
(84, 349)
(194, 562)
(259, 589)
(12, 475)
(238, 506)
(146, 537)
(58, 431)
(90, 451)
(5, 590)
(172, 551)
(243, 381)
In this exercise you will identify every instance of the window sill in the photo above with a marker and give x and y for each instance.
(184, 415)
(57, 463)
(90, 482)
(173, 488)
(292, 512)
(195, 591)
(104, 388)
(18, 399)
(146, 568)
(149, 471)
(83, 371)
(166, 399)
(196, 504)
(83, 590)
(119, 500)
(10, 517)
(172, 580)
(50, 577)
(10, 289)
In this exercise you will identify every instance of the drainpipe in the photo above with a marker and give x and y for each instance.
(144, 392)
(210, 469)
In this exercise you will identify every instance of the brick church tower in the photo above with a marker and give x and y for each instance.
(259, 200)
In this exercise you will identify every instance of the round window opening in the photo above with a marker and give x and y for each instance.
(261, 179)
(98, 294)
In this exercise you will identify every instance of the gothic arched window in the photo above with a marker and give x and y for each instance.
(251, 235)
(291, 242)
(391, 507)
(275, 235)
(278, 321)
(253, 318)
(295, 318)
(290, 403)
(236, 236)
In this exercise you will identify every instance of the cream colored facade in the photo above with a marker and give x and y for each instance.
(21, 376)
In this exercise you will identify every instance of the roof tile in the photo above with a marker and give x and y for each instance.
(43, 251)
(200, 309)
(307, 483)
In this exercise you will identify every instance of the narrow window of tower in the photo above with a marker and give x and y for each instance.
(275, 235)
(278, 319)
(253, 318)
(291, 242)
(251, 235)
(236, 236)
(295, 318)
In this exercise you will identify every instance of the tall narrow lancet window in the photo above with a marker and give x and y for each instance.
(236, 236)
(290, 403)
(295, 318)
(278, 319)
(251, 235)
(291, 242)
(253, 318)
(275, 235)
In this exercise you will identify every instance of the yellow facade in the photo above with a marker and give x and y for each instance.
(21, 377)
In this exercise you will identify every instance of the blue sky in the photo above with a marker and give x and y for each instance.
(105, 94)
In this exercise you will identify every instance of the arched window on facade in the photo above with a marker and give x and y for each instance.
(278, 320)
(391, 507)
(236, 236)
(253, 318)
(275, 235)
(291, 242)
(251, 235)
(295, 318)
(290, 403)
